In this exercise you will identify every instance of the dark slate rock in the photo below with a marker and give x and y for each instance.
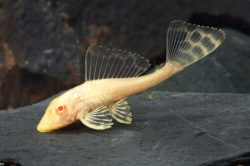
(225, 70)
(168, 129)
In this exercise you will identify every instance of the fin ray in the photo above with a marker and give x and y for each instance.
(120, 111)
(101, 63)
(187, 43)
(99, 119)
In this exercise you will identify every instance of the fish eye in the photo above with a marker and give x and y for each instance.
(60, 109)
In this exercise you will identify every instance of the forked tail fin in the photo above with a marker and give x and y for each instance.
(187, 43)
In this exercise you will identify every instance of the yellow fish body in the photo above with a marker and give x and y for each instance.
(112, 75)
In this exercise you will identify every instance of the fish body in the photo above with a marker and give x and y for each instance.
(112, 75)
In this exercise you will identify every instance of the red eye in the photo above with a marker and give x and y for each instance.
(60, 108)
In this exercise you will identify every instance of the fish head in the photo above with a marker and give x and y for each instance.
(58, 114)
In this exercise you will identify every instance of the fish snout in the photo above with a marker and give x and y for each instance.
(50, 122)
(45, 123)
(43, 129)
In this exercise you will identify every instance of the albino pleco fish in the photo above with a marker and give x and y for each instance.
(112, 75)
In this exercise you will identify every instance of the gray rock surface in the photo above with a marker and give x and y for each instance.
(174, 129)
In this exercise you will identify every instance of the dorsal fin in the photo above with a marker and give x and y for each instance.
(101, 63)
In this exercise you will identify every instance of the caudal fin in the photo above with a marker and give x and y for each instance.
(187, 43)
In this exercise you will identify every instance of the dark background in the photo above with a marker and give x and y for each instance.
(43, 43)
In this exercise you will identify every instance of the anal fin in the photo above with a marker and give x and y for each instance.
(120, 111)
(99, 119)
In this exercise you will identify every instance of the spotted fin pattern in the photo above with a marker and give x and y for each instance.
(187, 43)
(101, 63)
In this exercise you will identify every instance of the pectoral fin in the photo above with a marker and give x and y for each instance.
(120, 111)
(99, 119)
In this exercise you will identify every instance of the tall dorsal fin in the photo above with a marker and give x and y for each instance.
(101, 63)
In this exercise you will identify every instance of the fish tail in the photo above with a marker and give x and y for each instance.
(188, 43)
